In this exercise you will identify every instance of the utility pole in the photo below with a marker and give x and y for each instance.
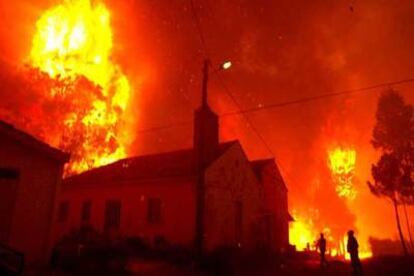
(204, 102)
(201, 163)
(206, 142)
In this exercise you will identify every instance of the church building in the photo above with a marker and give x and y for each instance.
(208, 196)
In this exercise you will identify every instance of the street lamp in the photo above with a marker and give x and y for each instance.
(226, 65)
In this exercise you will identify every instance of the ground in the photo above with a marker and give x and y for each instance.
(376, 266)
(386, 266)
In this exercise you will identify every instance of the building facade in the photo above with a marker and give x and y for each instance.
(158, 195)
(30, 173)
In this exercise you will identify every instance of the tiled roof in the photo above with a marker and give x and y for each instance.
(170, 164)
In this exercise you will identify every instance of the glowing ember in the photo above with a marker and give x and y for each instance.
(342, 165)
(74, 40)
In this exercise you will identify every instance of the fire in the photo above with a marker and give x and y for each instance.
(304, 234)
(301, 235)
(342, 165)
(305, 230)
(73, 42)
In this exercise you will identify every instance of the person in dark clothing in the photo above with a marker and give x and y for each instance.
(322, 249)
(352, 248)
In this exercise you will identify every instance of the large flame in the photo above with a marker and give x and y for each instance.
(305, 230)
(342, 165)
(304, 234)
(73, 40)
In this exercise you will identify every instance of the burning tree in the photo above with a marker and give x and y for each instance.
(342, 165)
(393, 135)
(75, 95)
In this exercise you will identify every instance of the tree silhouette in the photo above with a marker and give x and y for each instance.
(393, 136)
(387, 178)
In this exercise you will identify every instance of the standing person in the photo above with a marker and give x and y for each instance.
(352, 248)
(321, 244)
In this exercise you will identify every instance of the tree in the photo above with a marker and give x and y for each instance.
(407, 193)
(393, 136)
(387, 176)
(393, 131)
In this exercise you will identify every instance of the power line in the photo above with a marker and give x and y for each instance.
(164, 127)
(278, 161)
(247, 119)
(204, 49)
(282, 104)
(278, 105)
(204, 45)
(243, 112)
(199, 28)
(317, 97)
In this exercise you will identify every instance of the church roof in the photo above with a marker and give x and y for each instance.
(161, 165)
(31, 142)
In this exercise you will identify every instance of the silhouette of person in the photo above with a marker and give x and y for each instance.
(321, 244)
(352, 248)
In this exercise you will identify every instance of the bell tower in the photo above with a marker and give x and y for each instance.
(206, 141)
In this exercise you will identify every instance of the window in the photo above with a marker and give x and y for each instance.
(239, 221)
(9, 181)
(63, 211)
(154, 210)
(112, 214)
(7, 173)
(86, 211)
